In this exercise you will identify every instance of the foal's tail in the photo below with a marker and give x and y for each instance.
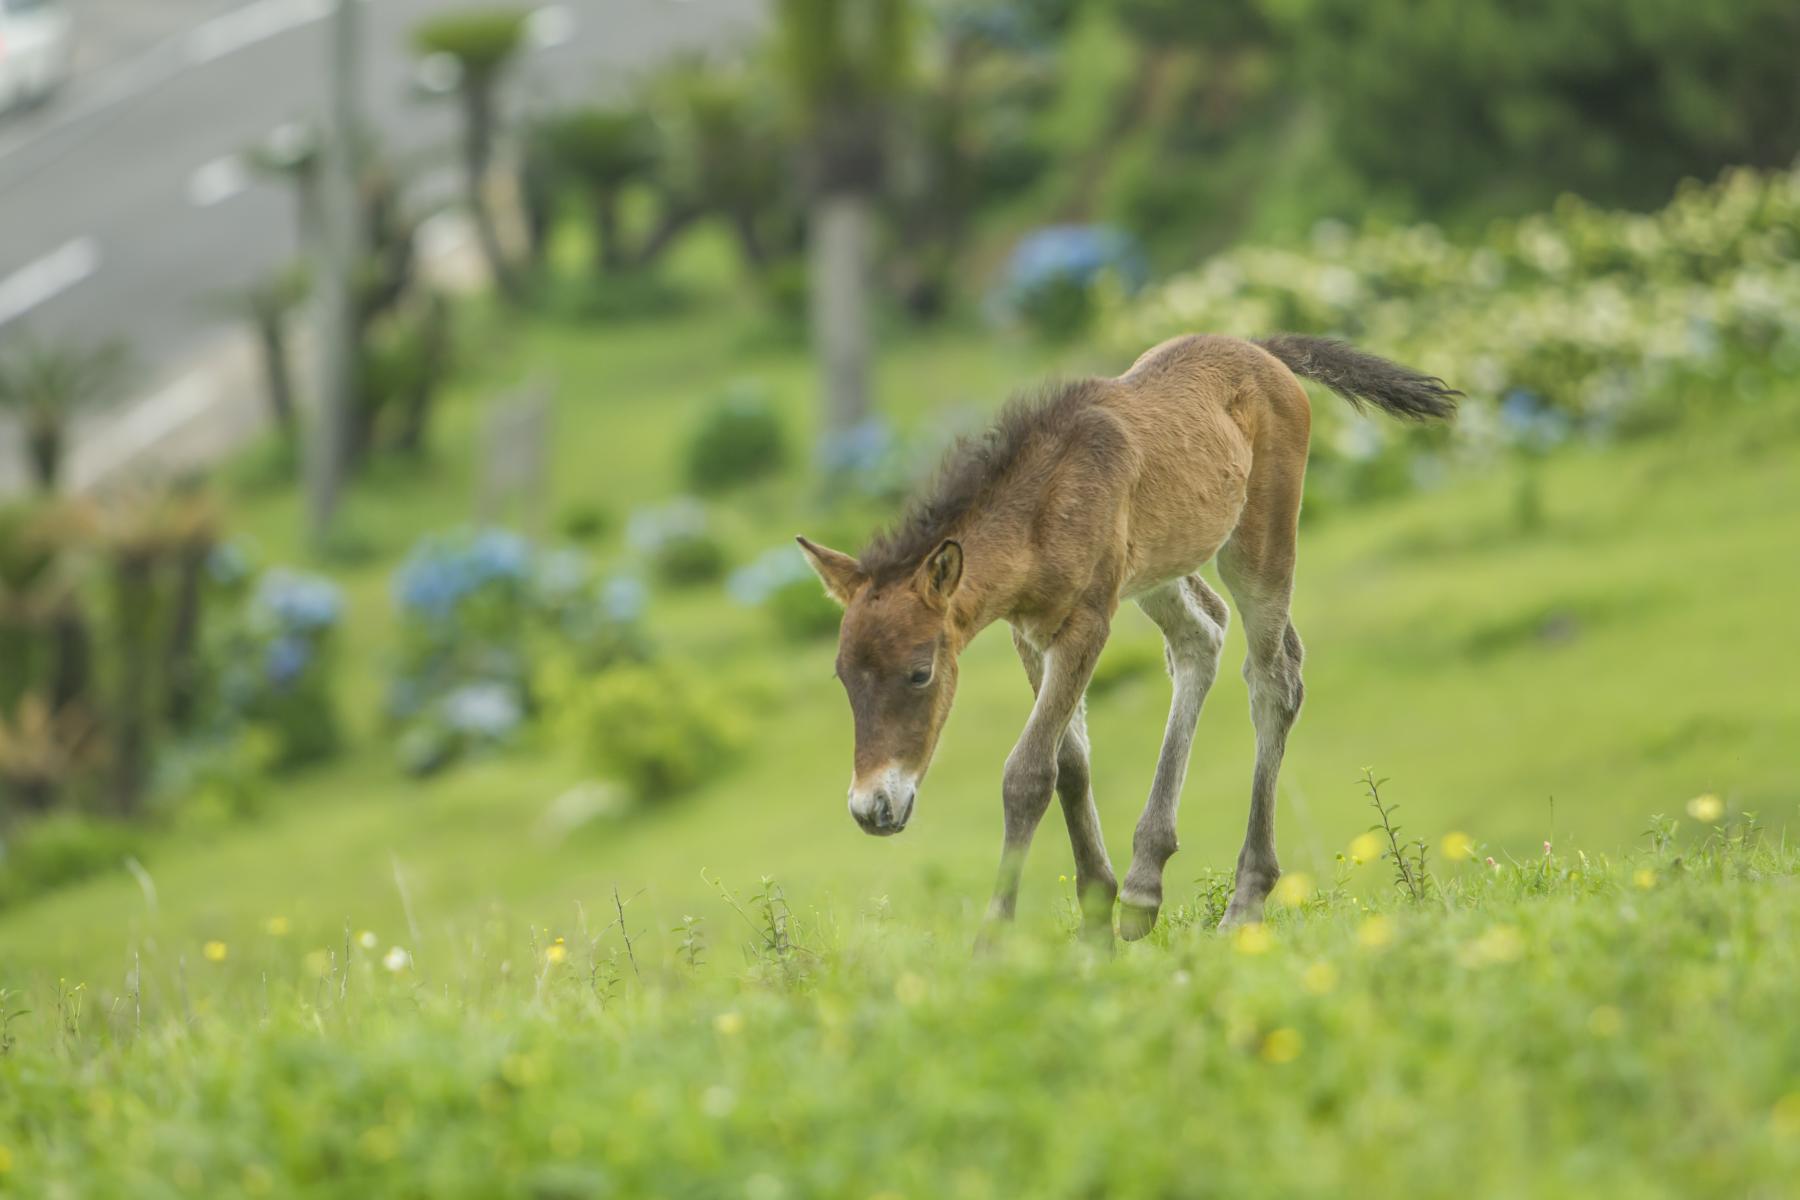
(1363, 378)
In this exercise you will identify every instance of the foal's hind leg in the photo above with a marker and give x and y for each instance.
(1095, 883)
(1257, 564)
(1192, 617)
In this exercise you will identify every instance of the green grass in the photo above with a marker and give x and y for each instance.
(1562, 1026)
(1561, 682)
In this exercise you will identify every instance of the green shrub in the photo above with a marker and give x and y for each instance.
(739, 440)
(655, 728)
(802, 611)
(58, 849)
(678, 541)
(585, 522)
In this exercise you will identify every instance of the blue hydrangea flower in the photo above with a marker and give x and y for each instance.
(648, 529)
(285, 660)
(305, 604)
(228, 564)
(1074, 253)
(489, 711)
(499, 554)
(862, 448)
(772, 570)
(624, 597)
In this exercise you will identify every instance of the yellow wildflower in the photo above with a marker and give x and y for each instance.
(1281, 1046)
(909, 989)
(215, 951)
(1375, 932)
(1497, 944)
(1293, 889)
(729, 1023)
(1644, 878)
(1252, 939)
(1365, 847)
(556, 951)
(1706, 809)
(1457, 846)
(565, 1141)
(379, 1143)
(1319, 978)
(1605, 1021)
(1785, 1116)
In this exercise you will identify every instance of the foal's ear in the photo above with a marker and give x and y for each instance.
(942, 571)
(840, 573)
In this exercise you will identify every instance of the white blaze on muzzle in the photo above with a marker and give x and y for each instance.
(882, 802)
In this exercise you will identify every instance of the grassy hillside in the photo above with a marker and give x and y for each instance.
(1564, 1026)
(1558, 679)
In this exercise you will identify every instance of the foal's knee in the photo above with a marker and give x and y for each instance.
(1027, 784)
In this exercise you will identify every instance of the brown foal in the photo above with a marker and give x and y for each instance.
(1096, 492)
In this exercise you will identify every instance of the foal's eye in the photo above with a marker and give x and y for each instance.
(920, 677)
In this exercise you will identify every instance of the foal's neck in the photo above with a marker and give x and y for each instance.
(991, 581)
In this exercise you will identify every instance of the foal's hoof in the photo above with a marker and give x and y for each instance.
(1136, 920)
(1235, 916)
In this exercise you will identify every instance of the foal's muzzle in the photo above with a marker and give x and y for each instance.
(884, 807)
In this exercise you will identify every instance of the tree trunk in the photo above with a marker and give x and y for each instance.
(278, 376)
(134, 599)
(609, 254)
(44, 447)
(839, 270)
(1134, 111)
(750, 240)
(674, 221)
(73, 657)
(478, 148)
(420, 401)
(181, 669)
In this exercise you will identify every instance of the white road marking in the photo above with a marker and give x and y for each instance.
(50, 276)
(253, 23)
(217, 181)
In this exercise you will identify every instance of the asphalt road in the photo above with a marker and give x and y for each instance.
(123, 212)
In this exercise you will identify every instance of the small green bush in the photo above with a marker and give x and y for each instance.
(678, 542)
(58, 849)
(802, 611)
(738, 441)
(655, 728)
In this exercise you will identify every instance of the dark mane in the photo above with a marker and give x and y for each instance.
(971, 470)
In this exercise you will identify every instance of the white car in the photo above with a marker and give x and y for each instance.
(36, 41)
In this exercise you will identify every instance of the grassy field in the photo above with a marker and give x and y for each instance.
(1562, 1026)
(1561, 679)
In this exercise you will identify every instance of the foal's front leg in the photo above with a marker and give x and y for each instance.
(1030, 777)
(1095, 884)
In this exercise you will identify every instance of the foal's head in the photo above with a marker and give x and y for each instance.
(896, 662)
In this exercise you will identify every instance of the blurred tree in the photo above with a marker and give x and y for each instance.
(268, 305)
(844, 65)
(967, 135)
(603, 151)
(1497, 105)
(45, 384)
(723, 153)
(483, 44)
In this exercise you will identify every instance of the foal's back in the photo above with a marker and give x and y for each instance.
(1217, 424)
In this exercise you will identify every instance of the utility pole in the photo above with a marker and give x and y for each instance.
(339, 250)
